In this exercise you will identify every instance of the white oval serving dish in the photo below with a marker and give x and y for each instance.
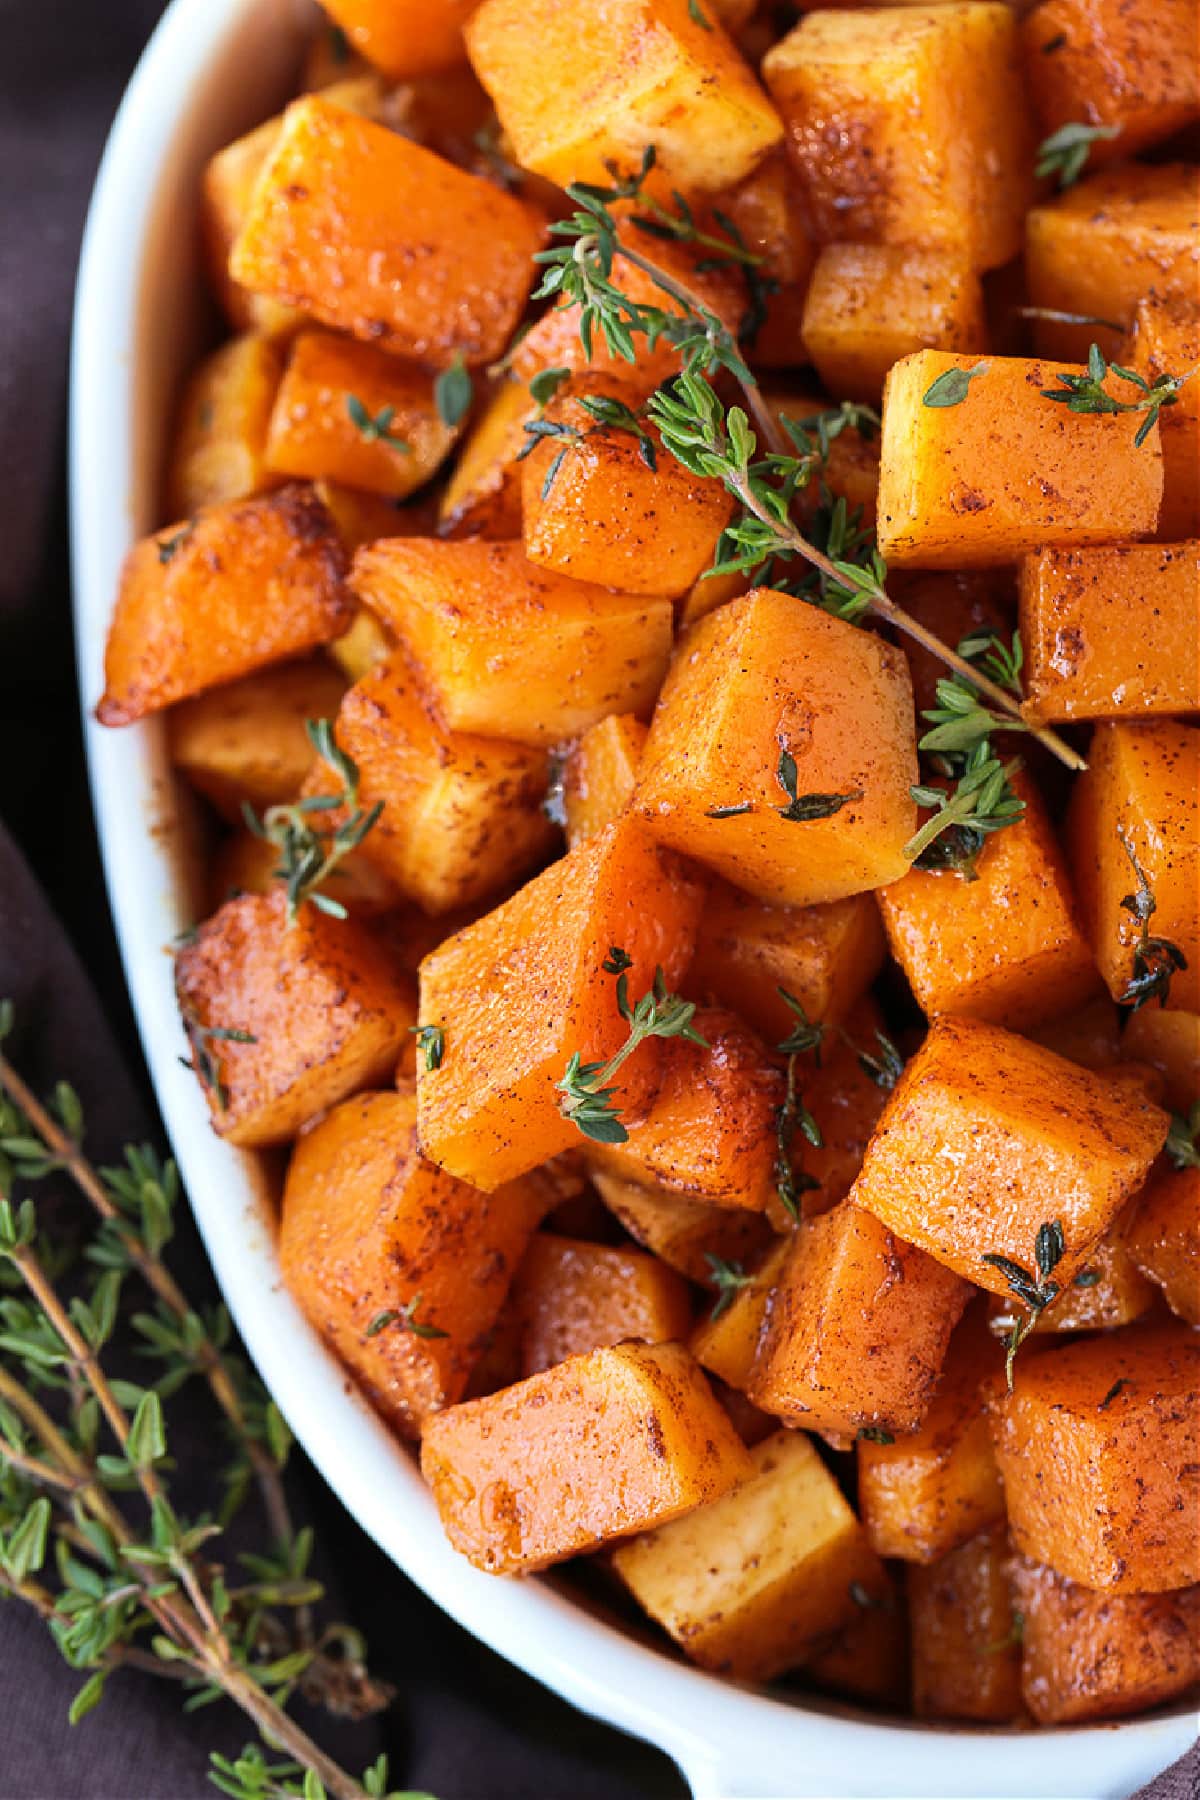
(212, 69)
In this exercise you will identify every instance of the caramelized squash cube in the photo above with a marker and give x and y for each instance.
(405, 37)
(1165, 340)
(571, 1297)
(1170, 1043)
(595, 1449)
(219, 452)
(1090, 1037)
(600, 774)
(770, 701)
(870, 304)
(966, 1663)
(685, 1234)
(1164, 1238)
(952, 606)
(725, 1341)
(868, 1658)
(987, 1137)
(482, 497)
(246, 743)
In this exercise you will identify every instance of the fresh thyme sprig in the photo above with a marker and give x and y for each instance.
(884, 1069)
(1065, 152)
(588, 1097)
(729, 1278)
(1035, 1292)
(308, 856)
(801, 808)
(453, 392)
(804, 1039)
(1088, 394)
(1183, 1138)
(375, 428)
(1156, 960)
(405, 1318)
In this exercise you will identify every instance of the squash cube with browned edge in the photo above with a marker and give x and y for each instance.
(1151, 82)
(626, 76)
(571, 1297)
(350, 413)
(399, 1266)
(991, 1146)
(1170, 1043)
(686, 1234)
(856, 1329)
(1164, 1238)
(752, 1583)
(725, 1341)
(600, 774)
(405, 37)
(1103, 244)
(218, 452)
(870, 304)
(907, 125)
(1007, 946)
(1139, 798)
(376, 236)
(511, 650)
(593, 1450)
(1003, 471)
(922, 1495)
(1088, 1655)
(782, 752)
(868, 1659)
(246, 743)
(1083, 660)
(525, 988)
(966, 1657)
(232, 590)
(1165, 340)
(482, 496)
(287, 1018)
(1118, 1414)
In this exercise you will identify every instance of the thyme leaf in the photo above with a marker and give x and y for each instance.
(308, 855)
(1065, 152)
(588, 1097)
(1156, 960)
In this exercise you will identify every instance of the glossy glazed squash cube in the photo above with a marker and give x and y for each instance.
(405, 37)
(600, 774)
(1150, 87)
(966, 1660)
(1165, 340)
(571, 1296)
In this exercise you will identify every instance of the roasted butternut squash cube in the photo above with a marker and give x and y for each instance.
(1110, 1291)
(362, 517)
(1119, 1413)
(632, 74)
(220, 439)
(343, 211)
(246, 743)
(1170, 1043)
(782, 752)
(482, 497)
(350, 413)
(868, 1658)
(923, 1495)
(685, 1234)
(1091, 1036)
(1151, 85)
(462, 815)
(966, 1663)
(751, 1583)
(908, 125)
(362, 648)
(725, 1341)
(709, 1131)
(287, 1018)
(232, 590)
(600, 774)
(1082, 661)
(491, 1110)
(768, 211)
(1164, 1238)
(571, 1297)
(870, 304)
(404, 37)
(511, 650)
(399, 1266)
(1097, 248)
(1139, 794)
(1007, 946)
(1165, 340)
(1005, 471)
(824, 956)
(594, 507)
(845, 1097)
(1092, 1655)
(987, 1138)
(595, 1449)
(856, 1330)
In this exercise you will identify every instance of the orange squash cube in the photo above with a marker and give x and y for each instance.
(398, 1265)
(907, 125)
(629, 75)
(1098, 248)
(768, 211)
(345, 210)
(1170, 1043)
(856, 1330)
(923, 1495)
(1164, 1239)
(571, 1297)
(868, 1659)
(1005, 471)
(1118, 1412)
(1007, 946)
(1100, 1655)
(771, 703)
(286, 1019)
(350, 413)
(709, 1131)
(595, 1449)
(725, 1341)
(1082, 661)
(482, 497)
(685, 1234)
(490, 1111)
(361, 517)
(753, 1582)
(1141, 789)
(987, 1137)
(405, 37)
(220, 439)
(870, 304)
(462, 815)
(246, 743)
(1090, 1037)
(236, 588)
(966, 1663)
(1165, 340)
(511, 650)
(600, 774)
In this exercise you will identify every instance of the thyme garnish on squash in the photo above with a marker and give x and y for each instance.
(308, 856)
(588, 1098)
(1088, 394)
(1156, 960)
(1035, 1292)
